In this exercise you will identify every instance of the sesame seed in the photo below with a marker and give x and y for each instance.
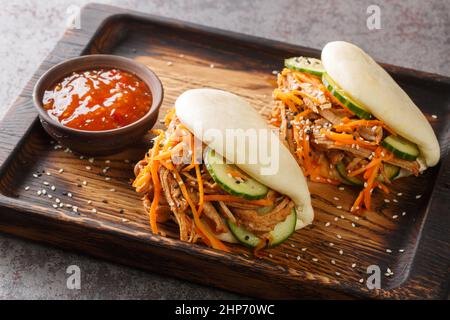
(331, 244)
(53, 188)
(401, 250)
(315, 259)
(89, 201)
(298, 258)
(75, 209)
(354, 265)
(112, 190)
(88, 168)
(418, 196)
(85, 183)
(49, 196)
(81, 157)
(304, 249)
(211, 65)
(91, 160)
(339, 207)
(125, 220)
(45, 183)
(107, 161)
(270, 255)
(361, 280)
(403, 213)
(68, 205)
(48, 173)
(61, 170)
(57, 200)
(434, 116)
(94, 210)
(342, 217)
(169, 63)
(388, 250)
(333, 261)
(44, 192)
(336, 218)
(327, 224)
(399, 194)
(341, 188)
(337, 273)
(387, 200)
(107, 178)
(55, 206)
(339, 236)
(292, 245)
(353, 225)
(27, 188)
(69, 195)
(341, 252)
(336, 198)
(61, 205)
(126, 161)
(388, 270)
(395, 216)
(275, 72)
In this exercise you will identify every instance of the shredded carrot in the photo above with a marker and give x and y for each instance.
(304, 77)
(230, 198)
(349, 125)
(302, 114)
(199, 177)
(156, 185)
(372, 163)
(168, 154)
(285, 98)
(357, 204)
(349, 139)
(169, 116)
(189, 167)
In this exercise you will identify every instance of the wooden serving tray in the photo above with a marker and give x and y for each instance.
(327, 259)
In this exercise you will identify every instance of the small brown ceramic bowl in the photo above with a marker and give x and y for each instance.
(106, 141)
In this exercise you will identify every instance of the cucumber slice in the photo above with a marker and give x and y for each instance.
(351, 104)
(219, 170)
(278, 235)
(401, 147)
(354, 181)
(244, 236)
(283, 230)
(304, 64)
(391, 171)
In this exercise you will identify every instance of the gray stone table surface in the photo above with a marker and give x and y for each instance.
(414, 34)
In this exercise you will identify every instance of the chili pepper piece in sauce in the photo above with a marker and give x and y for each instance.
(98, 99)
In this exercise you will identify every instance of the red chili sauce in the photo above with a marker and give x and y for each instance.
(99, 99)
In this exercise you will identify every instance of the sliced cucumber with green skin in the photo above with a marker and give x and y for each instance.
(343, 97)
(278, 235)
(304, 64)
(219, 170)
(354, 181)
(391, 172)
(401, 147)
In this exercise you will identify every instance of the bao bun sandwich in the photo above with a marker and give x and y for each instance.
(347, 121)
(211, 195)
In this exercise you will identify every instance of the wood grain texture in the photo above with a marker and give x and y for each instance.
(323, 260)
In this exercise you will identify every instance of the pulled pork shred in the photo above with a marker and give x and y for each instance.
(321, 132)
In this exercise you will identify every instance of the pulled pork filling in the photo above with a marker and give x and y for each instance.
(322, 133)
(185, 192)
